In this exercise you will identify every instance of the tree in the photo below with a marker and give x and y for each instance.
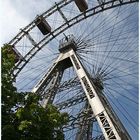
(22, 115)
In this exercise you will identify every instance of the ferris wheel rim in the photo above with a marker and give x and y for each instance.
(84, 14)
(37, 51)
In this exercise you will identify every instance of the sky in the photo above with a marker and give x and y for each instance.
(16, 14)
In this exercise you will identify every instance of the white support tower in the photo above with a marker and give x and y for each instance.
(108, 121)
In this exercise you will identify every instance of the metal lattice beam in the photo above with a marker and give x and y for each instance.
(95, 10)
(96, 105)
(72, 101)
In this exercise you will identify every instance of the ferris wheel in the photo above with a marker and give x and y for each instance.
(82, 56)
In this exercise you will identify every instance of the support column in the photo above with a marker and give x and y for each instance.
(82, 130)
(66, 59)
(107, 127)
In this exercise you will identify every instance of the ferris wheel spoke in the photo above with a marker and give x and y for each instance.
(109, 94)
(124, 96)
(106, 38)
(126, 117)
(113, 94)
(112, 69)
(110, 27)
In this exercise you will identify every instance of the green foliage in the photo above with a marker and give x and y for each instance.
(23, 118)
(39, 123)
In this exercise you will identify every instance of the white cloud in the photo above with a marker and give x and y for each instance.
(17, 14)
(11, 22)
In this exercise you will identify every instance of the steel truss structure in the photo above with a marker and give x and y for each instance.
(82, 88)
(68, 23)
(102, 111)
